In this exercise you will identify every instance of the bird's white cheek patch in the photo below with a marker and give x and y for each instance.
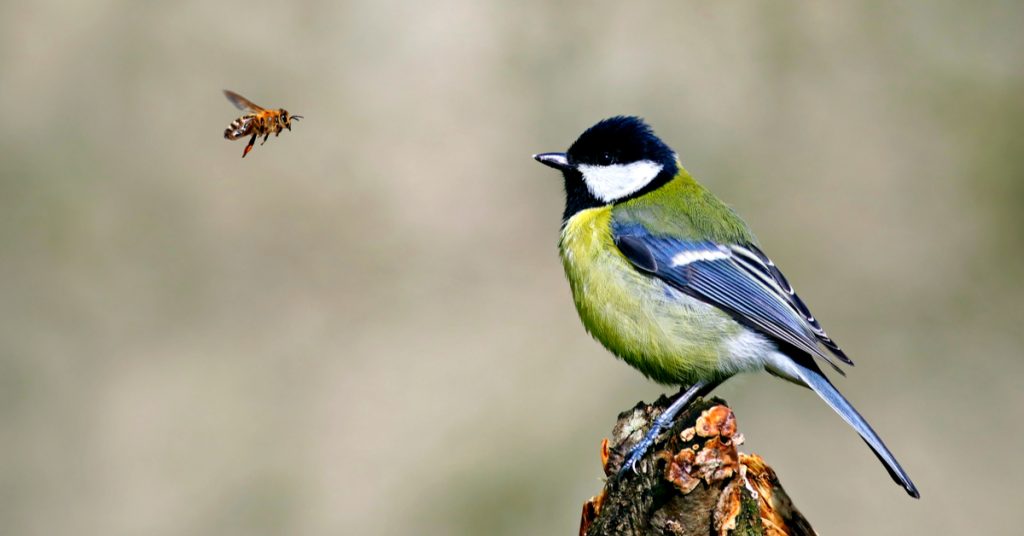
(609, 183)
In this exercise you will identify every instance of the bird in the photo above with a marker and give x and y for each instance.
(672, 281)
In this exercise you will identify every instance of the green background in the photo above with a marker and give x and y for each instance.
(363, 327)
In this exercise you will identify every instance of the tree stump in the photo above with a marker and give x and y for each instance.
(692, 481)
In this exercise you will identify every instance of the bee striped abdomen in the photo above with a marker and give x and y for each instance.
(239, 128)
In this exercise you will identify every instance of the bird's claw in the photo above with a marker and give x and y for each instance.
(635, 454)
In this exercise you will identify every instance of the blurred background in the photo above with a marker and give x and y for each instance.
(363, 327)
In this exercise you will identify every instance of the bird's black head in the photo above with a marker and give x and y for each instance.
(617, 159)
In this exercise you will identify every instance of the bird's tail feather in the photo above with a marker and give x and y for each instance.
(821, 385)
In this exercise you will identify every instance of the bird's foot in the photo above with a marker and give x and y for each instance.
(645, 444)
(663, 421)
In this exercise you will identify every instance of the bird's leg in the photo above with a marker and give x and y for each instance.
(700, 388)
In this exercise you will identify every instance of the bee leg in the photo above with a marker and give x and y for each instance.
(252, 141)
(265, 138)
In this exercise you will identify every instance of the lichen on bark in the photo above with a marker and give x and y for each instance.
(693, 480)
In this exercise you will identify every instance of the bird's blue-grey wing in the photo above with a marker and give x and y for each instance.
(738, 279)
(751, 258)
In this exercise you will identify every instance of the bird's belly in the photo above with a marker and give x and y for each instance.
(669, 336)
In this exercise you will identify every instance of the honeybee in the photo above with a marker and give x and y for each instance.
(258, 122)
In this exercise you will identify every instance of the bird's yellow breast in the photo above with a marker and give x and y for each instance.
(665, 334)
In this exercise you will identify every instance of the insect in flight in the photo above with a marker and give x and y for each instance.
(258, 122)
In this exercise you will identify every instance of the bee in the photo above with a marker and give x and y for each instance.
(258, 122)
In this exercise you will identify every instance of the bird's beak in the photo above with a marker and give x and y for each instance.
(556, 160)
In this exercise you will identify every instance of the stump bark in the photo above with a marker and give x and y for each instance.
(692, 481)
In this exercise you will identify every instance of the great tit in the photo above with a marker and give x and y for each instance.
(672, 281)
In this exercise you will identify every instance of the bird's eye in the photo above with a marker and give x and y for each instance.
(605, 159)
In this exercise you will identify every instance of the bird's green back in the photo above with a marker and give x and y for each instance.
(682, 208)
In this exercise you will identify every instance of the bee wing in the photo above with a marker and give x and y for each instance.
(241, 102)
(239, 128)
